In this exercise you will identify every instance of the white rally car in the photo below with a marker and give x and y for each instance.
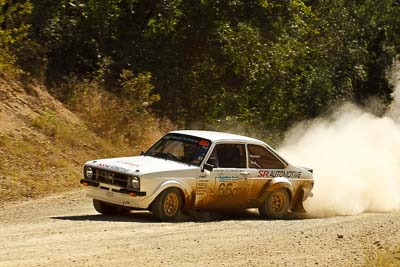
(199, 170)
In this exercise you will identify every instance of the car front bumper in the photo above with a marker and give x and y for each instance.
(112, 194)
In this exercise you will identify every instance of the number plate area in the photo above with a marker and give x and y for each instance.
(109, 194)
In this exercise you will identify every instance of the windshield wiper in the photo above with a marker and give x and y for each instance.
(164, 156)
(170, 156)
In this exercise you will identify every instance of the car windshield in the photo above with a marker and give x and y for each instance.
(182, 148)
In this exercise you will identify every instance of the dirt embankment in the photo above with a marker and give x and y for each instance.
(42, 143)
(64, 230)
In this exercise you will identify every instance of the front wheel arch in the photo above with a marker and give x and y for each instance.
(167, 206)
(184, 188)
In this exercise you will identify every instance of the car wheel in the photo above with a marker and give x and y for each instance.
(276, 204)
(167, 205)
(105, 208)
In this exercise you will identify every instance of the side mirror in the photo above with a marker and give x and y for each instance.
(208, 167)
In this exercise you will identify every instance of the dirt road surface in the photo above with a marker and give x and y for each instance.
(64, 230)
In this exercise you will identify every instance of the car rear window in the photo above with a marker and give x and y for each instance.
(261, 158)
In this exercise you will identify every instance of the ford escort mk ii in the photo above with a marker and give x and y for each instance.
(199, 170)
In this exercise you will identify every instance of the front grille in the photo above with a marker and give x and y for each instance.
(109, 177)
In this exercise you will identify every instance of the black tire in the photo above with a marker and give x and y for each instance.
(276, 205)
(105, 208)
(168, 204)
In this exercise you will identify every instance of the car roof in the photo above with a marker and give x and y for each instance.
(218, 136)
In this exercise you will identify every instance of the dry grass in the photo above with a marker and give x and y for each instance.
(46, 153)
(116, 119)
(48, 157)
(384, 258)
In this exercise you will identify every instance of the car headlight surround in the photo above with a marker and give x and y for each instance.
(134, 183)
(88, 172)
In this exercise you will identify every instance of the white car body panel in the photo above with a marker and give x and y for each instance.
(202, 189)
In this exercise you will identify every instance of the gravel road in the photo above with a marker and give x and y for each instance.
(64, 230)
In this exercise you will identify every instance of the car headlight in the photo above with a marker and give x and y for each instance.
(88, 172)
(134, 183)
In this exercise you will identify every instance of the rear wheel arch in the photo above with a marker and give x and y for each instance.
(278, 183)
(288, 191)
(276, 204)
(276, 186)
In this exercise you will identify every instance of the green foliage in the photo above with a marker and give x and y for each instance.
(266, 63)
(166, 16)
(13, 29)
(137, 89)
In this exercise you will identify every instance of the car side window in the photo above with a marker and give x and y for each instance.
(261, 158)
(228, 156)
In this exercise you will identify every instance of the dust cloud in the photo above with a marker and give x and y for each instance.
(356, 160)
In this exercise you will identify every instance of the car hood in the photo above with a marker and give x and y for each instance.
(139, 165)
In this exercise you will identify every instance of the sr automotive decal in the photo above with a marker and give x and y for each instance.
(279, 173)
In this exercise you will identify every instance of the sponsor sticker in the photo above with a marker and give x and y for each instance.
(204, 143)
(228, 178)
(279, 173)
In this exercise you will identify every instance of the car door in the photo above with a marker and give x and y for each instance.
(263, 165)
(225, 186)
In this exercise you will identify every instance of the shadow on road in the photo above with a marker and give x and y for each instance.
(147, 217)
(141, 216)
